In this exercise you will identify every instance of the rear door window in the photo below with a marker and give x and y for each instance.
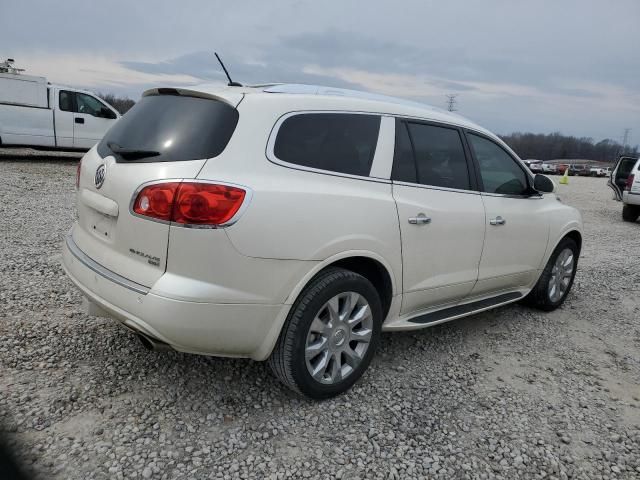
(337, 142)
(170, 128)
(430, 155)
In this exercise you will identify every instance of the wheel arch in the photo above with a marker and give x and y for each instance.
(574, 235)
(368, 264)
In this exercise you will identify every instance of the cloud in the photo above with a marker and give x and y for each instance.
(99, 72)
(544, 65)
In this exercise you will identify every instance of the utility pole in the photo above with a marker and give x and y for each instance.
(625, 138)
(451, 102)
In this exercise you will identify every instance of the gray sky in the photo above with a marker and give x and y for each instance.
(564, 65)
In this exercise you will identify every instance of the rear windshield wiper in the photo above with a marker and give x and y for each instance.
(131, 153)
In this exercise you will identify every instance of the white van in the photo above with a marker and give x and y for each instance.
(34, 112)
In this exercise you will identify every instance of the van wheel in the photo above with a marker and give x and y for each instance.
(557, 277)
(330, 335)
(630, 213)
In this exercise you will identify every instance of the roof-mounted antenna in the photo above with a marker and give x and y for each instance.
(231, 82)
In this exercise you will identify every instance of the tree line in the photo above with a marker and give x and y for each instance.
(553, 146)
(122, 104)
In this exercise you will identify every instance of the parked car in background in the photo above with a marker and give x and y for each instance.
(598, 172)
(549, 168)
(581, 170)
(34, 112)
(535, 166)
(562, 167)
(294, 223)
(625, 182)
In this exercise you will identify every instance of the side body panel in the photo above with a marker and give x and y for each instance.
(21, 125)
(440, 258)
(302, 215)
(513, 251)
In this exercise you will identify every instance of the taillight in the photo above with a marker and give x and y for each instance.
(189, 203)
(78, 169)
(630, 178)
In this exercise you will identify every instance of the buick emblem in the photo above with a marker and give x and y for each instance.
(98, 180)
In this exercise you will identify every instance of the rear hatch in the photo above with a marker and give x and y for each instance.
(168, 134)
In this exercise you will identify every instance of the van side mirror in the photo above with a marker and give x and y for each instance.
(543, 184)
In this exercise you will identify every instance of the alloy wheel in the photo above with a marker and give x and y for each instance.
(338, 337)
(561, 274)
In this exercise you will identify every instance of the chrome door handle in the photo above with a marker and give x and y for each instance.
(497, 221)
(421, 219)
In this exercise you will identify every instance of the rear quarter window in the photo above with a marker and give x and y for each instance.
(335, 142)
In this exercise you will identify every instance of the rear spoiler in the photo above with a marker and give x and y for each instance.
(231, 98)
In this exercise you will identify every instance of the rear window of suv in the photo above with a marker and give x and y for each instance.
(337, 142)
(169, 128)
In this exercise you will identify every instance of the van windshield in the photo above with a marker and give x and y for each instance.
(170, 128)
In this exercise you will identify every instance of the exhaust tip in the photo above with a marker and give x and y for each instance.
(152, 344)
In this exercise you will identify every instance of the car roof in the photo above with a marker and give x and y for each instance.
(334, 98)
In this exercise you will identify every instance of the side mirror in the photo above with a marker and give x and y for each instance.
(543, 184)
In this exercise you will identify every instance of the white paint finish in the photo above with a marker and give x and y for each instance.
(30, 115)
(231, 289)
(383, 159)
(440, 259)
(108, 240)
(87, 134)
(236, 330)
(24, 90)
(99, 202)
(26, 126)
(513, 252)
(204, 266)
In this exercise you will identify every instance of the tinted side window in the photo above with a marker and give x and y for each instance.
(338, 142)
(439, 155)
(499, 171)
(65, 101)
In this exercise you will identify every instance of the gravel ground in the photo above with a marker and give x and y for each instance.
(512, 393)
(28, 153)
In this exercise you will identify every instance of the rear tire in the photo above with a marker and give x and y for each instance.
(630, 213)
(330, 335)
(544, 296)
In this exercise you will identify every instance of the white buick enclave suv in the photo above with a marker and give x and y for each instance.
(295, 223)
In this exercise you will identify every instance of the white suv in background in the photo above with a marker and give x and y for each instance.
(294, 223)
(625, 182)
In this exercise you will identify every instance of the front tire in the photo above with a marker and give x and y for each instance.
(557, 277)
(630, 213)
(330, 335)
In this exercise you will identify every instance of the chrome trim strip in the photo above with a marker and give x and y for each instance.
(102, 271)
(433, 187)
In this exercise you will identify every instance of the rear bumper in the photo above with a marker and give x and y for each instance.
(631, 198)
(232, 330)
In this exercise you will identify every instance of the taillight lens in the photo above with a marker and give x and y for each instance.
(630, 178)
(78, 169)
(189, 203)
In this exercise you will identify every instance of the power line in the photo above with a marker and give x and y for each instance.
(451, 102)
